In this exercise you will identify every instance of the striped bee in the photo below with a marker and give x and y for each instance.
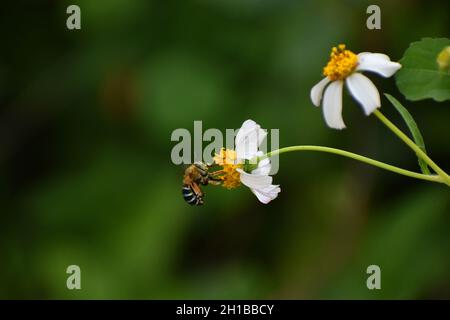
(195, 175)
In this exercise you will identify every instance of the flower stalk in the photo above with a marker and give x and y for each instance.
(375, 163)
(419, 152)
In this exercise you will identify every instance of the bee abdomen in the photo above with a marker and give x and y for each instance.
(191, 197)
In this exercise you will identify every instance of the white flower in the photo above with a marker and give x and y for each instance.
(247, 142)
(346, 66)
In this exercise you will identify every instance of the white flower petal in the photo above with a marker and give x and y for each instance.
(267, 194)
(247, 147)
(364, 91)
(259, 182)
(254, 181)
(332, 105)
(376, 54)
(248, 139)
(246, 127)
(317, 91)
(378, 63)
(264, 167)
(261, 136)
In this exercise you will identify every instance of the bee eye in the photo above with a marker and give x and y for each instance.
(202, 168)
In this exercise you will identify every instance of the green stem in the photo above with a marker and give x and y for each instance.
(419, 152)
(379, 164)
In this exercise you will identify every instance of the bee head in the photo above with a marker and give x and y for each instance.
(202, 168)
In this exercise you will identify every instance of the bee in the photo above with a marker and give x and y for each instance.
(195, 175)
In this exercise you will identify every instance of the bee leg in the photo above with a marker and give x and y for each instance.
(216, 173)
(197, 189)
(213, 177)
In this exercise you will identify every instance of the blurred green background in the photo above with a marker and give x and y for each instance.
(86, 176)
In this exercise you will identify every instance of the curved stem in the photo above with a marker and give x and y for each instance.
(419, 152)
(379, 164)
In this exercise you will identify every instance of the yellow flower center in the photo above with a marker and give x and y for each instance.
(342, 63)
(229, 176)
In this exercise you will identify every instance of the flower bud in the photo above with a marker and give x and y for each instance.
(443, 59)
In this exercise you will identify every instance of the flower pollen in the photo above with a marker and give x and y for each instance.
(342, 63)
(229, 176)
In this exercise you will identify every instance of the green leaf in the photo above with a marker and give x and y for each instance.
(420, 76)
(413, 128)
